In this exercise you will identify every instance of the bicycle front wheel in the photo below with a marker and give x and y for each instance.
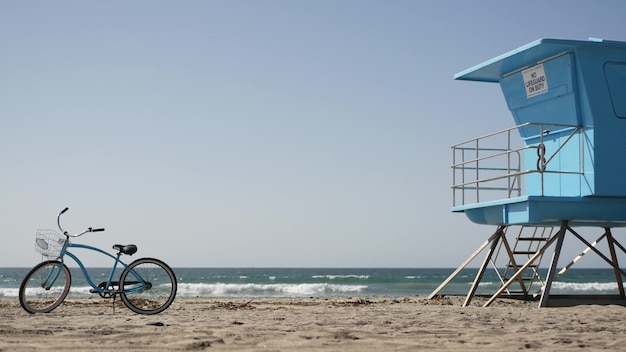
(148, 286)
(45, 287)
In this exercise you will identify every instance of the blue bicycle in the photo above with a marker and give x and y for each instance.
(146, 286)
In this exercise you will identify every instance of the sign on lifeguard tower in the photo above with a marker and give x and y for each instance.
(561, 165)
(535, 80)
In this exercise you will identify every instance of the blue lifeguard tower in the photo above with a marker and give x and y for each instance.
(559, 168)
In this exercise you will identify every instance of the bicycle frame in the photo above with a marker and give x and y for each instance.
(116, 258)
(145, 285)
(109, 281)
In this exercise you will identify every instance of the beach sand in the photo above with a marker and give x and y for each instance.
(315, 324)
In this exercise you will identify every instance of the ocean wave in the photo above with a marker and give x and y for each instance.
(223, 289)
(9, 292)
(585, 286)
(333, 277)
(567, 287)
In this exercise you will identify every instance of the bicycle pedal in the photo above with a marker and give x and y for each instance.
(93, 291)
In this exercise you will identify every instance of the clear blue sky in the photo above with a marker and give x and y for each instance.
(257, 133)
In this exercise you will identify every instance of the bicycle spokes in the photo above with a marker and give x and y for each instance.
(148, 286)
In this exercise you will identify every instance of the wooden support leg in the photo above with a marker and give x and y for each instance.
(578, 257)
(600, 254)
(543, 302)
(521, 270)
(467, 261)
(618, 274)
(483, 267)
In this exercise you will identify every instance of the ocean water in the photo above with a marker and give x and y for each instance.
(316, 282)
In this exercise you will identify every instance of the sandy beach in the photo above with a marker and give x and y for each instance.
(315, 324)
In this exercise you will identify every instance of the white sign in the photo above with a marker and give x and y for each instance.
(535, 81)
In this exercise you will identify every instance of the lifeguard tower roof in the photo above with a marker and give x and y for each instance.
(568, 101)
(540, 50)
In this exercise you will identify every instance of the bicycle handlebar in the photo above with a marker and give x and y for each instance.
(78, 234)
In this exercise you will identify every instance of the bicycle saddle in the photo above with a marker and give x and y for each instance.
(129, 249)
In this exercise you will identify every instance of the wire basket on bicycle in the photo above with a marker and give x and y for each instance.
(49, 243)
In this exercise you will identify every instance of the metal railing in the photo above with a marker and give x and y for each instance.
(491, 167)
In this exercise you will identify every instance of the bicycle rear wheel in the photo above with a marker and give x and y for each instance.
(148, 286)
(45, 287)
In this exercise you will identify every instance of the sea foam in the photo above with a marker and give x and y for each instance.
(595, 287)
(333, 277)
(250, 289)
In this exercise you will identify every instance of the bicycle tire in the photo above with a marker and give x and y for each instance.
(38, 297)
(148, 286)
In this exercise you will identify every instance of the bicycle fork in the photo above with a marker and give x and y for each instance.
(52, 277)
